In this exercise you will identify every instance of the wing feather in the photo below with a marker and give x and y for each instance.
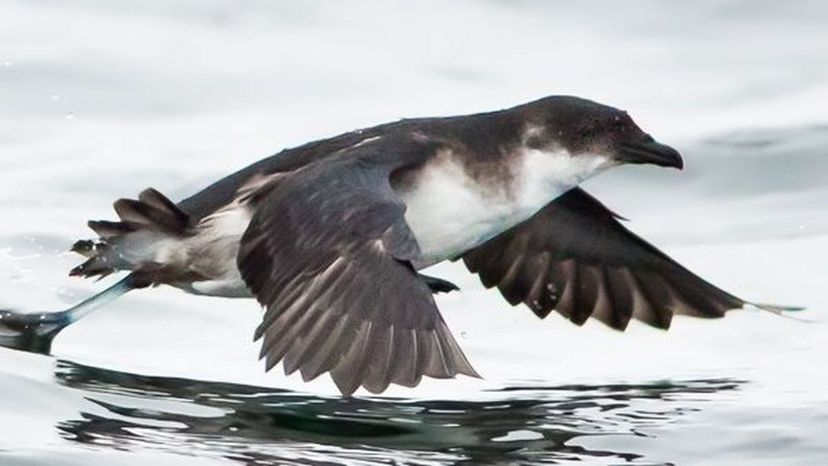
(576, 258)
(328, 254)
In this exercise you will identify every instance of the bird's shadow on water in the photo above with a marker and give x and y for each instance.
(254, 425)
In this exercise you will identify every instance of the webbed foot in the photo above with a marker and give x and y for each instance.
(31, 332)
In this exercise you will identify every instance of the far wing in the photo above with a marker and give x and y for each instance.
(575, 257)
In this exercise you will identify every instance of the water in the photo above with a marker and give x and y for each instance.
(259, 426)
(100, 100)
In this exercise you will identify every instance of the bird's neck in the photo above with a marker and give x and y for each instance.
(544, 174)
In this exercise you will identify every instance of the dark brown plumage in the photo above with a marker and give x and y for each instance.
(575, 257)
(345, 298)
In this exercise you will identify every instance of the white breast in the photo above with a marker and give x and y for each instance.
(449, 212)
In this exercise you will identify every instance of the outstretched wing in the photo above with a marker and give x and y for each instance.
(328, 253)
(575, 257)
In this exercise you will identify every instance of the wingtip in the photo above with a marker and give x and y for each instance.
(471, 373)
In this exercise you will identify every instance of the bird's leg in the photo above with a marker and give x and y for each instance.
(438, 285)
(35, 331)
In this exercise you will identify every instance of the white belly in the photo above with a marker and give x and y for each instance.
(449, 216)
(213, 251)
(450, 213)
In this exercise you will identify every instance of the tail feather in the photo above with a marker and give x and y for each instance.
(155, 215)
(164, 208)
(152, 211)
(106, 229)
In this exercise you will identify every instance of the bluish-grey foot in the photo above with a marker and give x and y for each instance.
(438, 285)
(31, 332)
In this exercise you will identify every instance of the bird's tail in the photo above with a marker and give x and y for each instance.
(146, 224)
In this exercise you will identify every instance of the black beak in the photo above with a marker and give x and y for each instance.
(651, 152)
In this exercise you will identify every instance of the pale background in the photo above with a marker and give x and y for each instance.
(100, 99)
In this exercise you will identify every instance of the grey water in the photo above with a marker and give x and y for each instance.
(99, 100)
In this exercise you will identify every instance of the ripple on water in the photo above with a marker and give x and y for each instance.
(270, 426)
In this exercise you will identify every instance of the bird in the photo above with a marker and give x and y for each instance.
(331, 236)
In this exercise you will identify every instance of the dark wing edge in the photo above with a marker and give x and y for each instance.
(328, 254)
(575, 257)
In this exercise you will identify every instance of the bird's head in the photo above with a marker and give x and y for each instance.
(584, 128)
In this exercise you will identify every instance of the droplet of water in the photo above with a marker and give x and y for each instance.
(65, 293)
(70, 116)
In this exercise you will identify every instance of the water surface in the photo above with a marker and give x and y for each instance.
(99, 100)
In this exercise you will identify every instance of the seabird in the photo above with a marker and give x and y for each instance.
(330, 237)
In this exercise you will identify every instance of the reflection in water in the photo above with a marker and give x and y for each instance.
(253, 425)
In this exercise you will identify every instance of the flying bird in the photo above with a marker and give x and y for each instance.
(330, 238)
